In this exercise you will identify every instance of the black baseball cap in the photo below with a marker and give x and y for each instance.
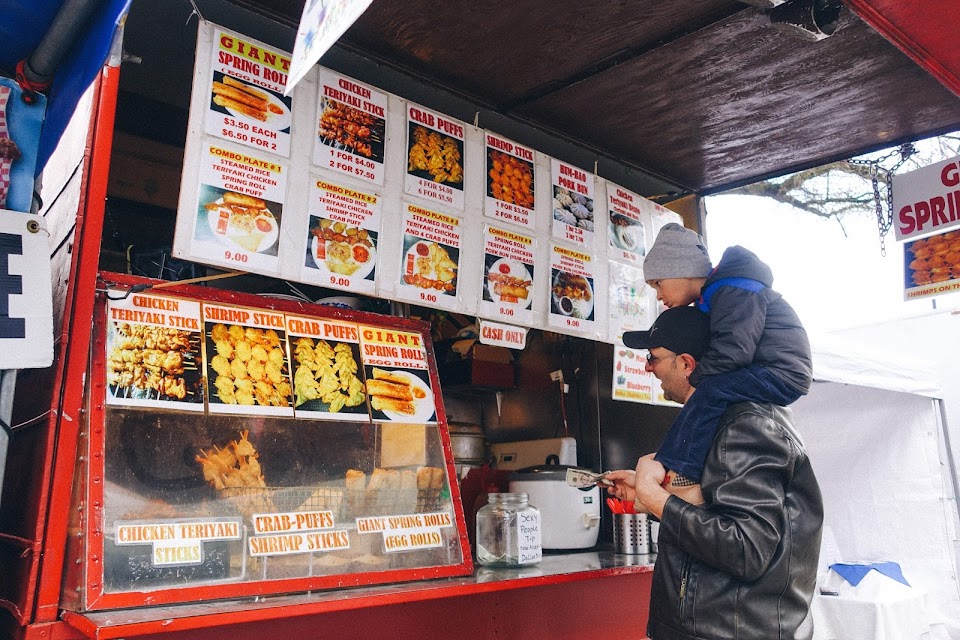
(680, 329)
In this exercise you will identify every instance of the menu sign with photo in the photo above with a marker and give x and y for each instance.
(327, 381)
(154, 354)
(931, 266)
(630, 301)
(631, 381)
(510, 181)
(246, 363)
(572, 203)
(342, 238)
(626, 234)
(238, 209)
(397, 378)
(434, 157)
(430, 258)
(507, 275)
(351, 128)
(246, 104)
(571, 289)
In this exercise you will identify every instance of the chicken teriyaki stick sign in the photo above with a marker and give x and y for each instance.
(153, 354)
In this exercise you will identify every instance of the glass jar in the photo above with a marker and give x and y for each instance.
(508, 531)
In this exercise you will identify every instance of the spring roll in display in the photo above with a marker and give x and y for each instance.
(153, 353)
(397, 379)
(247, 105)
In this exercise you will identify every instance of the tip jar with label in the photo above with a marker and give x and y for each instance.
(508, 531)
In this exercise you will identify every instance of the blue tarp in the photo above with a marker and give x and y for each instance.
(23, 24)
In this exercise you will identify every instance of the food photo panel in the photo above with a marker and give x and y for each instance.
(434, 157)
(508, 275)
(572, 294)
(397, 379)
(430, 258)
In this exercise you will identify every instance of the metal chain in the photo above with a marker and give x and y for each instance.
(885, 219)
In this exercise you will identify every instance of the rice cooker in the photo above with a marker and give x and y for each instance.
(570, 517)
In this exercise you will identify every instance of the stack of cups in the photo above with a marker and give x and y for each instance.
(630, 533)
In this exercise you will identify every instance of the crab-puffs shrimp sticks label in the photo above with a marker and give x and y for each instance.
(571, 289)
(434, 157)
(344, 228)
(246, 104)
(397, 378)
(351, 128)
(510, 180)
(430, 258)
(246, 362)
(153, 356)
(507, 275)
(327, 381)
(573, 194)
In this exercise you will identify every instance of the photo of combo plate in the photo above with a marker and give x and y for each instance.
(400, 395)
(571, 295)
(347, 251)
(243, 222)
(508, 282)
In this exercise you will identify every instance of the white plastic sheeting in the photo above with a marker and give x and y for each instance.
(877, 456)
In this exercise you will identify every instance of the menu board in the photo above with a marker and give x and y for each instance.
(239, 208)
(246, 104)
(631, 381)
(927, 266)
(351, 128)
(327, 381)
(508, 289)
(397, 378)
(154, 353)
(571, 289)
(510, 181)
(630, 301)
(626, 234)
(430, 257)
(573, 195)
(434, 157)
(245, 361)
(344, 228)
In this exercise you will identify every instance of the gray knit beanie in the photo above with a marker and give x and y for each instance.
(677, 252)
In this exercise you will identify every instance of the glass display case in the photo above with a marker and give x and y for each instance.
(243, 446)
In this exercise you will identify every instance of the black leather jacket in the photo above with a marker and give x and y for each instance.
(743, 565)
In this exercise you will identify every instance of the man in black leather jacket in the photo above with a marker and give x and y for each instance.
(743, 564)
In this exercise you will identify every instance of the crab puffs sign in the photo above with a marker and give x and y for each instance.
(278, 534)
(434, 157)
(397, 378)
(927, 200)
(408, 532)
(326, 377)
(246, 364)
(246, 102)
(344, 227)
(154, 353)
(430, 258)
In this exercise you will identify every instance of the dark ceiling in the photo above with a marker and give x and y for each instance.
(705, 94)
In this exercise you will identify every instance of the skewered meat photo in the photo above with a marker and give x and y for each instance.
(348, 129)
(146, 362)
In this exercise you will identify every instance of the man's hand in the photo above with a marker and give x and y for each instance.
(648, 485)
(623, 483)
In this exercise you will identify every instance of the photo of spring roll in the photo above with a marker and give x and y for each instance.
(243, 200)
(384, 389)
(239, 95)
(381, 403)
(390, 376)
(233, 105)
(230, 81)
(401, 395)
(247, 101)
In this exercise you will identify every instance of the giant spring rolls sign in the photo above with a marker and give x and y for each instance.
(430, 258)
(571, 289)
(327, 382)
(626, 235)
(434, 157)
(508, 275)
(927, 200)
(397, 379)
(246, 104)
(154, 353)
(572, 203)
(351, 128)
(344, 227)
(510, 181)
(238, 209)
(246, 362)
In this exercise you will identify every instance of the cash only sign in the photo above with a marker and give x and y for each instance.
(926, 205)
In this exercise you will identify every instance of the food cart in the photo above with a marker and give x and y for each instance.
(165, 481)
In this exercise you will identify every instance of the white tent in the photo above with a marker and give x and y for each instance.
(873, 426)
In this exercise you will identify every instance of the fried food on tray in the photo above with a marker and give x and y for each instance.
(249, 366)
(236, 470)
(244, 219)
(435, 154)
(935, 259)
(511, 179)
(344, 249)
(508, 287)
(327, 374)
(247, 100)
(147, 358)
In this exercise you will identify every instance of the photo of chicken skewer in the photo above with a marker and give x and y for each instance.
(147, 362)
(344, 127)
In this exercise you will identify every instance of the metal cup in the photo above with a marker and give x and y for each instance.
(630, 533)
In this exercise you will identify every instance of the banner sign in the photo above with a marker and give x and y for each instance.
(26, 297)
